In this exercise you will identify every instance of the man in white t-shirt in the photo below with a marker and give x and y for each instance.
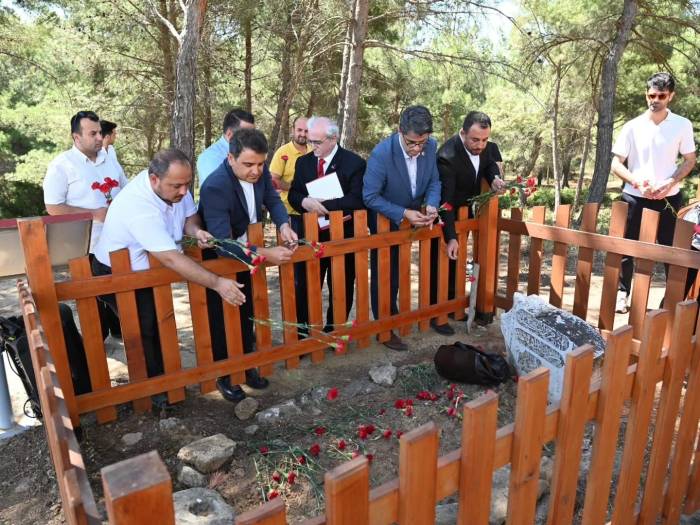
(85, 179)
(650, 145)
(150, 216)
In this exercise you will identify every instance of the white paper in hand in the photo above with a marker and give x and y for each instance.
(326, 188)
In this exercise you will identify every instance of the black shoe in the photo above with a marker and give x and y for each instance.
(233, 393)
(395, 343)
(116, 334)
(442, 329)
(254, 380)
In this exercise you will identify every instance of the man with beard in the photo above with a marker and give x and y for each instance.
(464, 161)
(285, 158)
(645, 158)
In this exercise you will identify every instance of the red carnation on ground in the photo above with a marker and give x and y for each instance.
(452, 411)
(399, 433)
(382, 411)
(291, 477)
(264, 450)
(369, 457)
(341, 444)
(315, 450)
(319, 431)
(332, 394)
(518, 179)
(302, 460)
(399, 404)
(276, 477)
(273, 494)
(409, 411)
(387, 433)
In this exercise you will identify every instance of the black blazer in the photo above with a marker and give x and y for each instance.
(223, 208)
(459, 181)
(350, 168)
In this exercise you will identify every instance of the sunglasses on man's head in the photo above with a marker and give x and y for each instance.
(657, 96)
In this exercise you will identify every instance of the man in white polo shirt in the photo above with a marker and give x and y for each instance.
(150, 216)
(650, 145)
(75, 181)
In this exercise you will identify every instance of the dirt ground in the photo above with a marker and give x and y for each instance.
(28, 492)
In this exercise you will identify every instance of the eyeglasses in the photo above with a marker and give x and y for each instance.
(316, 142)
(415, 143)
(657, 96)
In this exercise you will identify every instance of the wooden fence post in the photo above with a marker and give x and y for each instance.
(271, 513)
(534, 272)
(417, 475)
(643, 271)
(138, 491)
(584, 265)
(559, 257)
(361, 275)
(611, 274)
(347, 493)
(487, 256)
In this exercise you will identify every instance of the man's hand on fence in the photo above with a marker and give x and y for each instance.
(311, 204)
(289, 236)
(452, 249)
(498, 185)
(416, 218)
(276, 255)
(229, 291)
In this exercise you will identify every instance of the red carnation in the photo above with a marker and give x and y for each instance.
(409, 402)
(291, 477)
(285, 158)
(382, 411)
(399, 403)
(315, 450)
(369, 457)
(264, 450)
(104, 187)
(452, 411)
(387, 433)
(362, 432)
(319, 431)
(254, 270)
(399, 433)
(531, 182)
(332, 394)
(341, 444)
(518, 179)
(276, 477)
(512, 191)
(302, 460)
(409, 411)
(446, 206)
(95, 186)
(273, 494)
(354, 323)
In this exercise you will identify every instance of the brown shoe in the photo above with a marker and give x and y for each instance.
(395, 343)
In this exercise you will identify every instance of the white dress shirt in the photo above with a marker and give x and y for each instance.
(412, 167)
(249, 192)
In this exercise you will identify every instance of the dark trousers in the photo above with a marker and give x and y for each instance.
(109, 321)
(451, 272)
(393, 274)
(667, 225)
(217, 329)
(148, 320)
(300, 282)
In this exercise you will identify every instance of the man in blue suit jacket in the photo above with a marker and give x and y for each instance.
(401, 176)
(232, 197)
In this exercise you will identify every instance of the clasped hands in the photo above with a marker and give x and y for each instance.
(419, 219)
(651, 190)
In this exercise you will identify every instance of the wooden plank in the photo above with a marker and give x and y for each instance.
(535, 263)
(639, 417)
(32, 233)
(417, 472)
(383, 278)
(461, 277)
(338, 271)
(346, 489)
(584, 265)
(611, 273)
(131, 330)
(607, 424)
(514, 244)
(200, 324)
(92, 338)
(405, 277)
(572, 423)
(167, 331)
(313, 282)
(261, 300)
(559, 257)
(234, 338)
(685, 440)
(692, 500)
(443, 277)
(669, 401)
(675, 283)
(271, 513)
(138, 491)
(289, 307)
(528, 438)
(423, 280)
(73, 508)
(487, 254)
(643, 272)
(477, 459)
(361, 274)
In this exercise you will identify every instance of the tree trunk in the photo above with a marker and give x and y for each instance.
(284, 99)
(182, 127)
(555, 141)
(347, 45)
(354, 84)
(165, 43)
(606, 106)
(584, 159)
(534, 155)
(248, 71)
(206, 91)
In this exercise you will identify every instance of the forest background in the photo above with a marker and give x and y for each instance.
(557, 77)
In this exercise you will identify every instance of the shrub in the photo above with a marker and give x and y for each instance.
(20, 198)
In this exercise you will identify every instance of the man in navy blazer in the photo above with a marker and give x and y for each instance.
(231, 198)
(326, 158)
(401, 176)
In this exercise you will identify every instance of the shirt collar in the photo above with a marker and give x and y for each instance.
(327, 160)
(406, 156)
(668, 116)
(101, 156)
(162, 205)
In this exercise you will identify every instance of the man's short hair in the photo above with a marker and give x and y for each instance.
(476, 117)
(233, 119)
(160, 164)
(294, 122)
(416, 119)
(80, 115)
(332, 129)
(107, 127)
(252, 139)
(662, 81)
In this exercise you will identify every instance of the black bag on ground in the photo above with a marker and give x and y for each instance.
(465, 363)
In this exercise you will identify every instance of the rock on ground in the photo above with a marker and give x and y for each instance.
(132, 438)
(208, 454)
(170, 423)
(199, 506)
(383, 374)
(275, 413)
(246, 408)
(191, 478)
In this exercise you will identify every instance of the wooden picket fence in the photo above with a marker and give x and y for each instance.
(423, 477)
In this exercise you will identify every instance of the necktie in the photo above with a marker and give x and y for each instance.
(320, 172)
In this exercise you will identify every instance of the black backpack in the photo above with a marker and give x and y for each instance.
(13, 340)
(464, 363)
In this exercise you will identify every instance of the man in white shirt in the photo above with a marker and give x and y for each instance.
(81, 180)
(109, 137)
(150, 216)
(650, 145)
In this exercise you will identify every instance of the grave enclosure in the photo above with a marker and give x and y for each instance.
(656, 350)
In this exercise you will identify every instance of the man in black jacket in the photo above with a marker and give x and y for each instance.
(463, 162)
(326, 159)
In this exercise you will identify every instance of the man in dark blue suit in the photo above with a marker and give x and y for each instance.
(231, 198)
(401, 176)
(326, 158)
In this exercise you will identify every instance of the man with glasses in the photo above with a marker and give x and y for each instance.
(401, 176)
(645, 158)
(327, 158)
